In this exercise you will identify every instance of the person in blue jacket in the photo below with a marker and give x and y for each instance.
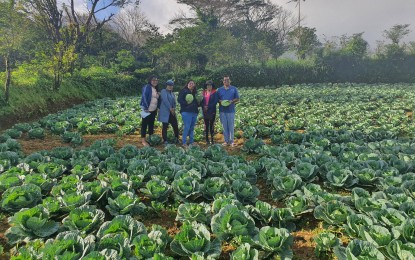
(209, 101)
(167, 111)
(228, 97)
(149, 103)
(189, 111)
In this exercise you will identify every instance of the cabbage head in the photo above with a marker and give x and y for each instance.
(231, 222)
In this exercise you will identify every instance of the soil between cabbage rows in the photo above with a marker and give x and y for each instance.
(308, 227)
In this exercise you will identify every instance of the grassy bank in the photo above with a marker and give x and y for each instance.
(32, 96)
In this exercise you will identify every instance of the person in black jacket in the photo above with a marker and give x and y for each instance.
(209, 101)
(189, 110)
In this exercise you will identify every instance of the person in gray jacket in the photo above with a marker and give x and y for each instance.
(167, 111)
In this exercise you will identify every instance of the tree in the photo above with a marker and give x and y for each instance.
(254, 22)
(354, 45)
(397, 33)
(395, 50)
(70, 30)
(133, 26)
(411, 48)
(66, 23)
(103, 47)
(197, 47)
(82, 25)
(304, 42)
(11, 35)
(219, 8)
(49, 17)
(125, 61)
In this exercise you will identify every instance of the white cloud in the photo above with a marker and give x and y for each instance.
(160, 12)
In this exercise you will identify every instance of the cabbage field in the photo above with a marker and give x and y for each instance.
(321, 171)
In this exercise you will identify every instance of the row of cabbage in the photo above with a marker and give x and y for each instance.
(58, 201)
(379, 213)
(365, 108)
(81, 184)
(303, 170)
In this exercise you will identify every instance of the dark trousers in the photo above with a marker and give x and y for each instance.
(209, 125)
(173, 123)
(148, 121)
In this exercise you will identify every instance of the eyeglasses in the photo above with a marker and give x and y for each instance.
(154, 80)
(226, 80)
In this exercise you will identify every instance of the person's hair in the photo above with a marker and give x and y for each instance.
(226, 76)
(150, 79)
(213, 86)
(185, 86)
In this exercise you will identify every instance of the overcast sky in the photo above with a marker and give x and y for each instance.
(329, 17)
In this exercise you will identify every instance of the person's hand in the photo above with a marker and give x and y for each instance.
(205, 108)
(146, 110)
(172, 110)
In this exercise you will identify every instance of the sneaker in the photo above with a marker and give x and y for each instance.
(185, 146)
(233, 145)
(225, 144)
(166, 143)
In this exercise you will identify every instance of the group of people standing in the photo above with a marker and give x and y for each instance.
(190, 101)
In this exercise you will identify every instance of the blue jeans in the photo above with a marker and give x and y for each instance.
(228, 123)
(189, 121)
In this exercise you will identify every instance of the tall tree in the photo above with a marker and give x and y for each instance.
(133, 26)
(81, 25)
(69, 29)
(11, 35)
(304, 42)
(49, 17)
(72, 26)
(395, 34)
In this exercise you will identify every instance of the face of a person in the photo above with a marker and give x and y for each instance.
(154, 82)
(169, 87)
(191, 85)
(226, 81)
(209, 87)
